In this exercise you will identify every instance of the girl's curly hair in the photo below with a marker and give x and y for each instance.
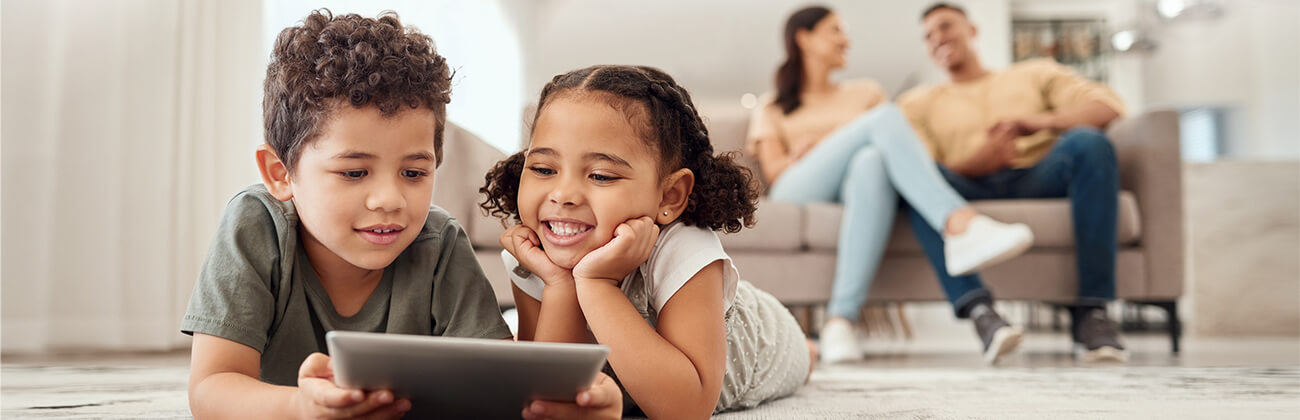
(724, 197)
(328, 61)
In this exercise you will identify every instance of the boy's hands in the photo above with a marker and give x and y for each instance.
(319, 398)
(631, 246)
(602, 401)
(522, 242)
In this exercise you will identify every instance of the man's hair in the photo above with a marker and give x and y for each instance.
(940, 6)
(331, 61)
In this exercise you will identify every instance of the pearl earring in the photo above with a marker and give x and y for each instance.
(665, 213)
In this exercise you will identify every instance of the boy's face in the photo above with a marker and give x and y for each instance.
(362, 189)
(586, 172)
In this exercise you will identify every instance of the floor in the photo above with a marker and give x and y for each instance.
(929, 378)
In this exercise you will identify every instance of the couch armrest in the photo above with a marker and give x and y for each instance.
(1150, 164)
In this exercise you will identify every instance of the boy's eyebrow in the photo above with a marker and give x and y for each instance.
(420, 156)
(352, 154)
(590, 156)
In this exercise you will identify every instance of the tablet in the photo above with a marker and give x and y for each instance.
(448, 377)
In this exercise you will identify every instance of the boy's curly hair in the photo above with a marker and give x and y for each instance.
(724, 197)
(332, 60)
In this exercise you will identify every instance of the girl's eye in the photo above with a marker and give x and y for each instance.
(411, 173)
(604, 178)
(542, 171)
(353, 174)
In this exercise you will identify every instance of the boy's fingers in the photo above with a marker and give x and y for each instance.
(374, 402)
(391, 410)
(317, 365)
(324, 393)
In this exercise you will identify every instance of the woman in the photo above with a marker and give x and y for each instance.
(821, 140)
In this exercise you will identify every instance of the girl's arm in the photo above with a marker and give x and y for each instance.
(556, 318)
(675, 371)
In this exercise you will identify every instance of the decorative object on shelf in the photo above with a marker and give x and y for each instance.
(1076, 43)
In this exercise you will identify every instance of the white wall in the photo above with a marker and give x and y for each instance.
(480, 40)
(722, 49)
(1248, 60)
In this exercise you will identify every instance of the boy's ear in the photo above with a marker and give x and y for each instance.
(274, 174)
(676, 195)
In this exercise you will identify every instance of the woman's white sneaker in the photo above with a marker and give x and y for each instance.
(839, 343)
(984, 243)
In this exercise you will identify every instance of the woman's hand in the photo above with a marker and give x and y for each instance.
(602, 401)
(522, 242)
(633, 240)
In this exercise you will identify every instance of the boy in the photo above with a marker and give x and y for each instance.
(341, 234)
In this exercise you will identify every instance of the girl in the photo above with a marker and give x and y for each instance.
(821, 140)
(616, 202)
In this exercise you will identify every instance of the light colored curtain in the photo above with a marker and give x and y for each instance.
(126, 127)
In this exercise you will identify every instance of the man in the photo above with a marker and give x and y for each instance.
(1029, 131)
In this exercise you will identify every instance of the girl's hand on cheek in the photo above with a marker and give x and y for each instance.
(631, 246)
(523, 243)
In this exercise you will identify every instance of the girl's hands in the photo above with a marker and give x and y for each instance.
(523, 243)
(631, 246)
(319, 398)
(602, 401)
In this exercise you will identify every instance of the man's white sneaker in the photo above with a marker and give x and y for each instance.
(839, 343)
(984, 243)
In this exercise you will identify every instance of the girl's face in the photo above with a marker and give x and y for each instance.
(586, 171)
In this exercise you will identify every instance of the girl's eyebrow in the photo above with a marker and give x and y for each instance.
(546, 151)
(609, 158)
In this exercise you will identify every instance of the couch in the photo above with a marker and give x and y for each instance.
(790, 252)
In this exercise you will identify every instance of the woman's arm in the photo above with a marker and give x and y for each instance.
(675, 371)
(774, 157)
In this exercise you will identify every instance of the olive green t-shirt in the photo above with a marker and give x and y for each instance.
(257, 288)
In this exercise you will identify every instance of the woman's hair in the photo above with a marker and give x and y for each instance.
(331, 61)
(661, 112)
(789, 76)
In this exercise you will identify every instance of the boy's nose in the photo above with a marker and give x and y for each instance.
(386, 198)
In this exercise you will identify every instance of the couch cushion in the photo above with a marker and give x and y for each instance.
(1049, 219)
(777, 227)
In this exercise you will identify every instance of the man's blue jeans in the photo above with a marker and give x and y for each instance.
(1080, 166)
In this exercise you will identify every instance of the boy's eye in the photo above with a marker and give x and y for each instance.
(353, 174)
(603, 178)
(411, 173)
(542, 171)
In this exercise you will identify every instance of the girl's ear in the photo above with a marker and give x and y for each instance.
(676, 195)
(274, 174)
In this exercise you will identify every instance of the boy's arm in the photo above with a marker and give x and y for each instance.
(223, 384)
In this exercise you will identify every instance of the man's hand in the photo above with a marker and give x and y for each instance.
(1025, 126)
(319, 398)
(633, 240)
(523, 243)
(602, 401)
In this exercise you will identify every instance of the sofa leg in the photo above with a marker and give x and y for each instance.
(1175, 325)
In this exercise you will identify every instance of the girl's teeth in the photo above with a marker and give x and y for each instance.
(567, 229)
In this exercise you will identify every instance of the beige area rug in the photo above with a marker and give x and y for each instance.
(833, 393)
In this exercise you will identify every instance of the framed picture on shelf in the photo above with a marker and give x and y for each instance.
(1074, 43)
